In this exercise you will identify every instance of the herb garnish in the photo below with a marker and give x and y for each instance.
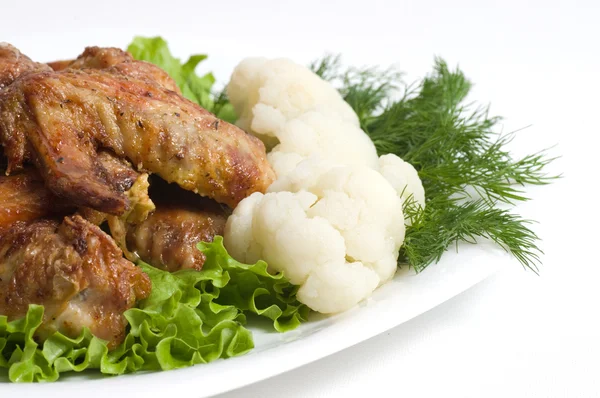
(465, 167)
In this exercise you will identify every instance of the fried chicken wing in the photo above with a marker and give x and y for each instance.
(23, 197)
(58, 120)
(167, 238)
(93, 183)
(76, 271)
(115, 175)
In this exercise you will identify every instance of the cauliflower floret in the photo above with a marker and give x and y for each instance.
(268, 93)
(334, 230)
(403, 177)
(333, 219)
(297, 115)
(360, 204)
(316, 134)
(351, 282)
(268, 228)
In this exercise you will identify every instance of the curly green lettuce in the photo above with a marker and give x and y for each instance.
(191, 317)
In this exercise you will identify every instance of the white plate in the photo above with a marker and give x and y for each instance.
(406, 296)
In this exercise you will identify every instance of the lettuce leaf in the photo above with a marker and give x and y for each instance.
(251, 288)
(193, 87)
(190, 317)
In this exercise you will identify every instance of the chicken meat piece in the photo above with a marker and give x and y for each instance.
(116, 172)
(60, 65)
(121, 62)
(23, 197)
(134, 186)
(75, 271)
(59, 120)
(167, 239)
(14, 64)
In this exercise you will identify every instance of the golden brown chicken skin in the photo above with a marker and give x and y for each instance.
(14, 64)
(133, 185)
(23, 197)
(167, 239)
(121, 62)
(58, 120)
(75, 271)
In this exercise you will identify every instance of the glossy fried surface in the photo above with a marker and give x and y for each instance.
(14, 64)
(118, 171)
(124, 178)
(23, 197)
(75, 270)
(167, 239)
(58, 120)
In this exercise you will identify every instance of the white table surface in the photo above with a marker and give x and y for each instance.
(536, 62)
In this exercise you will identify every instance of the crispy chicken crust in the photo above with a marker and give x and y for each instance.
(58, 120)
(167, 239)
(14, 64)
(121, 61)
(76, 271)
(23, 197)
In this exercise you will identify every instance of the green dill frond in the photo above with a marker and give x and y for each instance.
(464, 164)
(327, 67)
(444, 223)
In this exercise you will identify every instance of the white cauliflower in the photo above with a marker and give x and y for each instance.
(333, 220)
(403, 177)
(297, 114)
(268, 93)
(334, 230)
(327, 136)
(337, 286)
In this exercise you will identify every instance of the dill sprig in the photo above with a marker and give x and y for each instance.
(464, 164)
(445, 222)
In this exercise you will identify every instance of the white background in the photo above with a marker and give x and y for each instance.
(536, 62)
